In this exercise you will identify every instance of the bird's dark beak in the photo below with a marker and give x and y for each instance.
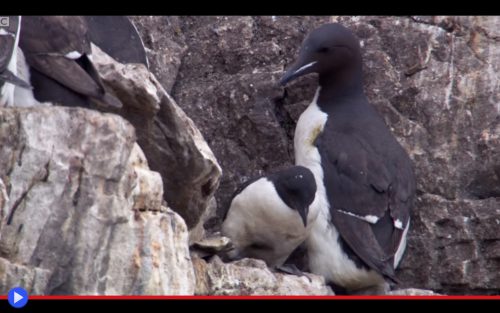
(303, 215)
(298, 69)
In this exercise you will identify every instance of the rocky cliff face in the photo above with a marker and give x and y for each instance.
(435, 81)
(82, 212)
(252, 277)
(172, 143)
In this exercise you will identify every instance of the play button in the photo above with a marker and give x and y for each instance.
(18, 297)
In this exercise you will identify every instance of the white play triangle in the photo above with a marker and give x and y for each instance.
(17, 297)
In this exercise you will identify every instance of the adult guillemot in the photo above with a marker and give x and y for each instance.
(365, 181)
(269, 216)
(115, 35)
(58, 52)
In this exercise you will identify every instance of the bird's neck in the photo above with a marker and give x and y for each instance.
(338, 85)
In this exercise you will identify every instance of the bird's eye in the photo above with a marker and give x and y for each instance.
(323, 50)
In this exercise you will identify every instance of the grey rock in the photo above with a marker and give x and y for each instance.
(33, 279)
(81, 213)
(412, 292)
(164, 43)
(252, 277)
(450, 252)
(170, 140)
(217, 243)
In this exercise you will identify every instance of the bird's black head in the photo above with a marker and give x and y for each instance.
(297, 188)
(328, 50)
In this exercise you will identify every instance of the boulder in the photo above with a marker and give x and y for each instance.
(172, 143)
(81, 213)
(252, 277)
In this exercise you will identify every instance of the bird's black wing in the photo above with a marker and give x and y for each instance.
(54, 35)
(362, 184)
(46, 42)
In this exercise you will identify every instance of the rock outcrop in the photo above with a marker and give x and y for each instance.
(252, 277)
(165, 46)
(81, 213)
(412, 292)
(171, 142)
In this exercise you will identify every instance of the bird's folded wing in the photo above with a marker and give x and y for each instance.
(359, 185)
(54, 35)
(360, 237)
(67, 72)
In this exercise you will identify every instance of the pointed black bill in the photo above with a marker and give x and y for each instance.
(303, 215)
(296, 70)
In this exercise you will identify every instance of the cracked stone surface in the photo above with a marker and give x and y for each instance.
(165, 46)
(252, 277)
(434, 79)
(80, 211)
(170, 140)
(412, 292)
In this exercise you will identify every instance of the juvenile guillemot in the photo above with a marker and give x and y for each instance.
(58, 52)
(365, 181)
(269, 216)
(9, 39)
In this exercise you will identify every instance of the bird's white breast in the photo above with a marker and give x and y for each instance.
(309, 126)
(259, 215)
(24, 97)
(402, 246)
(326, 257)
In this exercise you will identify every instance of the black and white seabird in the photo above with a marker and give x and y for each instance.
(9, 39)
(269, 216)
(58, 52)
(365, 181)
